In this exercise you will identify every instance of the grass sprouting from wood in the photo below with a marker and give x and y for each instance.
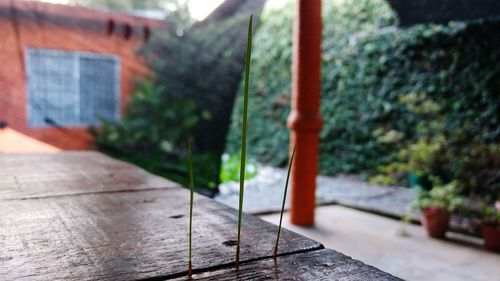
(244, 136)
(283, 204)
(191, 195)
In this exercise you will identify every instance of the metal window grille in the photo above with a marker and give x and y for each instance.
(71, 88)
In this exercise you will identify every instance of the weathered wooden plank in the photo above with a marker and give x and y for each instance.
(41, 175)
(314, 265)
(127, 236)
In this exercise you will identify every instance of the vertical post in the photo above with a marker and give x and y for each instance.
(305, 120)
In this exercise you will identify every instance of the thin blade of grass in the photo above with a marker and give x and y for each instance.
(283, 204)
(191, 196)
(244, 135)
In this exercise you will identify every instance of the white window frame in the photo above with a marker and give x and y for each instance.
(33, 118)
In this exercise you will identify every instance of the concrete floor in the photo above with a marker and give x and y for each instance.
(375, 240)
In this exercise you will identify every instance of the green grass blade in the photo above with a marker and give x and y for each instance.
(284, 200)
(244, 135)
(191, 196)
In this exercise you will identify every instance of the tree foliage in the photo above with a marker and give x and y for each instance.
(154, 133)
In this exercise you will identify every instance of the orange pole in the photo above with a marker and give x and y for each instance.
(305, 120)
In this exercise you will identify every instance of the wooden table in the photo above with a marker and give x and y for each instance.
(85, 216)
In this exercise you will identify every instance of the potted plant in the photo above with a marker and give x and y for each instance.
(490, 227)
(436, 206)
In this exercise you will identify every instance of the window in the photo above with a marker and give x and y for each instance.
(71, 88)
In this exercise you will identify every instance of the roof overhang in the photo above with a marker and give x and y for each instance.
(442, 11)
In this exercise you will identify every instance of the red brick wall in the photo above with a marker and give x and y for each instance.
(33, 25)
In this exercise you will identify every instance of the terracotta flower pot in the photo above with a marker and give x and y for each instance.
(491, 235)
(435, 221)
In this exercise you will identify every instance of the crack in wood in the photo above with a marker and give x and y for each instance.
(231, 264)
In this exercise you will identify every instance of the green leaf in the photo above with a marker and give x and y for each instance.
(275, 253)
(244, 136)
(191, 196)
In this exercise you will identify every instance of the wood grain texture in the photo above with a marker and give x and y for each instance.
(315, 265)
(85, 216)
(66, 173)
(127, 236)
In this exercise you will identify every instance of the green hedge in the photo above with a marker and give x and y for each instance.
(383, 88)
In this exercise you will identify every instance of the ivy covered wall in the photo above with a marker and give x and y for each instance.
(384, 89)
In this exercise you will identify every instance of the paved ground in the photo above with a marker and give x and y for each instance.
(264, 193)
(375, 240)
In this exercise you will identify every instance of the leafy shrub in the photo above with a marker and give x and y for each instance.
(154, 133)
(444, 197)
(196, 73)
(479, 170)
(384, 89)
(204, 65)
(491, 215)
(193, 65)
(418, 162)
